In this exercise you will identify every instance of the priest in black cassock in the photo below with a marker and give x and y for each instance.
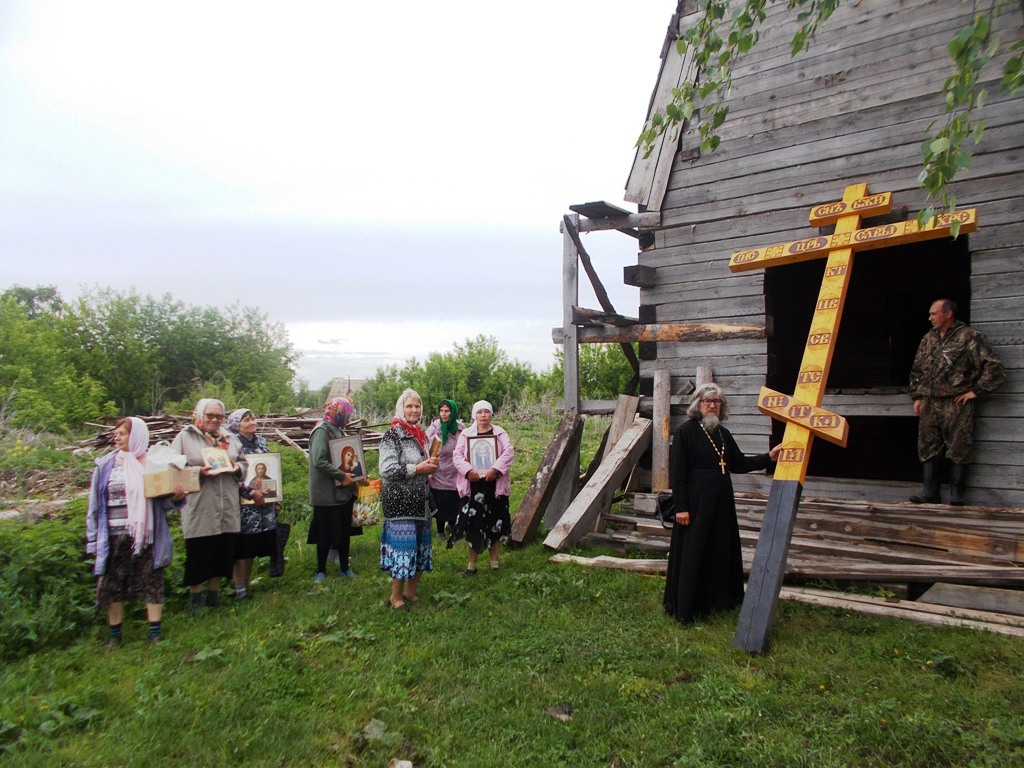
(705, 566)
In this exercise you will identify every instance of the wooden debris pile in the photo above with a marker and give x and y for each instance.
(857, 541)
(291, 429)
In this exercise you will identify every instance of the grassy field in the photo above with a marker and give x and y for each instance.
(536, 665)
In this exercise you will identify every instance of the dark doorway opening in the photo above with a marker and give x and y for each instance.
(884, 318)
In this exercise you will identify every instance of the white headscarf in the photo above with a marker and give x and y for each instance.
(140, 514)
(400, 405)
(481, 405)
(200, 411)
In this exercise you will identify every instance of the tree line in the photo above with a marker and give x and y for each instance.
(111, 353)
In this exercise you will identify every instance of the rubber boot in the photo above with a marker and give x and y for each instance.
(956, 481)
(930, 494)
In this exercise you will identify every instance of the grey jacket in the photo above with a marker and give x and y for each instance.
(214, 508)
(323, 492)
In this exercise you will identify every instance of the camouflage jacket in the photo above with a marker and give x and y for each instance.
(960, 362)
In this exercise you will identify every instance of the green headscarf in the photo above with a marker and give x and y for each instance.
(451, 426)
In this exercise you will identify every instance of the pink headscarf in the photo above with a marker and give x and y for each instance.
(140, 514)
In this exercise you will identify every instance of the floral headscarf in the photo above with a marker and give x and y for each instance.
(338, 411)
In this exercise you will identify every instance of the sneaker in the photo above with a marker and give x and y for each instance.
(320, 578)
(154, 640)
(243, 598)
(113, 643)
(349, 574)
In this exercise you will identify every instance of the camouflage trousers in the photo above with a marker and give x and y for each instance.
(945, 427)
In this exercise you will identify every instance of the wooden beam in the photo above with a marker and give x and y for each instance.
(640, 276)
(554, 462)
(663, 332)
(568, 333)
(593, 317)
(570, 227)
(662, 434)
(596, 496)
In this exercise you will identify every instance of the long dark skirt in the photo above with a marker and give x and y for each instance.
(705, 565)
(448, 504)
(331, 528)
(129, 577)
(208, 557)
(249, 545)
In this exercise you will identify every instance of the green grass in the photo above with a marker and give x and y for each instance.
(327, 676)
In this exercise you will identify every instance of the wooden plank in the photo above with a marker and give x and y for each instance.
(553, 464)
(662, 430)
(596, 496)
(901, 612)
(625, 412)
(975, 598)
(636, 565)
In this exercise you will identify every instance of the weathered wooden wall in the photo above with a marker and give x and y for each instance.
(856, 107)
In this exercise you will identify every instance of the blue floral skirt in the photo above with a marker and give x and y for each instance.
(405, 548)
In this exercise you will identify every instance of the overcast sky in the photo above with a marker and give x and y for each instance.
(385, 179)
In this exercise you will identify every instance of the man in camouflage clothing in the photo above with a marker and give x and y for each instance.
(954, 365)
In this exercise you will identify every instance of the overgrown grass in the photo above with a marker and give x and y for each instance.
(537, 665)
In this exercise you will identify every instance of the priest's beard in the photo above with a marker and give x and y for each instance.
(710, 422)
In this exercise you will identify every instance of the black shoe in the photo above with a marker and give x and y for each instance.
(113, 643)
(469, 572)
(154, 639)
(923, 499)
(212, 598)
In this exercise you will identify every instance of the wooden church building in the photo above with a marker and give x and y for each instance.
(854, 108)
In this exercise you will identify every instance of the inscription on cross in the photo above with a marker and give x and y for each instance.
(801, 411)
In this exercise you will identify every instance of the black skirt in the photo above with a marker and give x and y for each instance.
(249, 545)
(208, 557)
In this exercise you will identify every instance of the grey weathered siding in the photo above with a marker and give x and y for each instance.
(854, 108)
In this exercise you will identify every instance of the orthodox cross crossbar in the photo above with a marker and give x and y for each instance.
(802, 410)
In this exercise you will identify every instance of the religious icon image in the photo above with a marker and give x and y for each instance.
(263, 474)
(347, 455)
(217, 461)
(483, 452)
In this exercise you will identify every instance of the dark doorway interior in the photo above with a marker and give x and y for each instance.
(884, 318)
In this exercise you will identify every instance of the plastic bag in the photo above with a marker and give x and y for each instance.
(367, 510)
(161, 457)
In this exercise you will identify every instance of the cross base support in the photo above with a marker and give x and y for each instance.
(754, 629)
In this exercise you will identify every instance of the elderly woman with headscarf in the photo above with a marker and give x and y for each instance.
(405, 543)
(444, 432)
(127, 532)
(484, 517)
(210, 521)
(257, 535)
(332, 491)
(705, 563)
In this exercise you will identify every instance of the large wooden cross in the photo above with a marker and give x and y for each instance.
(801, 411)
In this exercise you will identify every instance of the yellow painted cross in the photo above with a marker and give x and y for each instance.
(802, 411)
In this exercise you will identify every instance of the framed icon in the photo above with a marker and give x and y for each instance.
(263, 473)
(347, 455)
(482, 451)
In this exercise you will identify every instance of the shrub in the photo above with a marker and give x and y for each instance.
(45, 583)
